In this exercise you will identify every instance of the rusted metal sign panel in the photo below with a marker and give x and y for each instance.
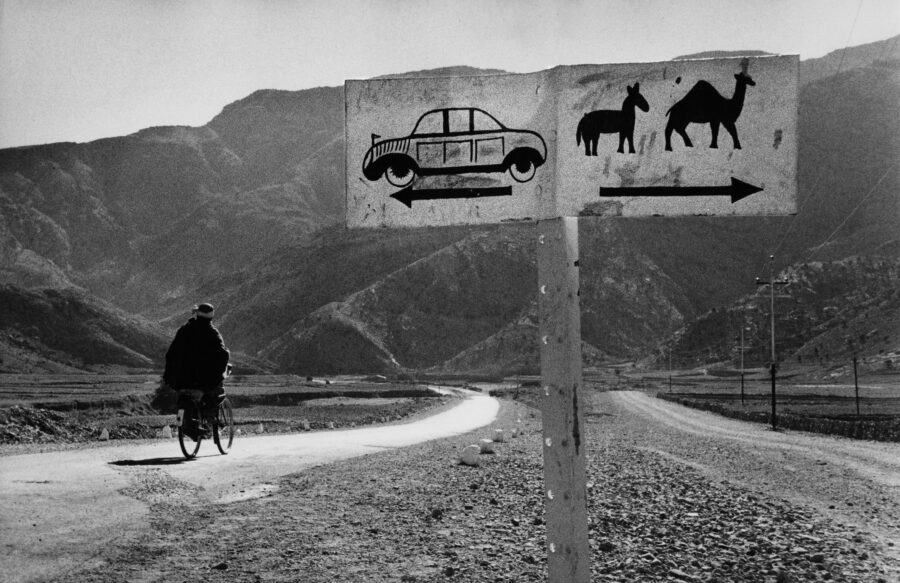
(698, 137)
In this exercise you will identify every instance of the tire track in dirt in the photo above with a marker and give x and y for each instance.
(877, 461)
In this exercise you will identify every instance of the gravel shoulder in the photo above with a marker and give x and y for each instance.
(674, 495)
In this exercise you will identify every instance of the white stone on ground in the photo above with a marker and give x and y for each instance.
(469, 455)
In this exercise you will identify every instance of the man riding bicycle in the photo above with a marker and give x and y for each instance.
(196, 362)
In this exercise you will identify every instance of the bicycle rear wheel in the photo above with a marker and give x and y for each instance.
(189, 447)
(223, 428)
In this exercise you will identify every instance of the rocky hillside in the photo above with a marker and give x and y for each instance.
(858, 57)
(246, 211)
(144, 219)
(463, 299)
(826, 314)
(63, 330)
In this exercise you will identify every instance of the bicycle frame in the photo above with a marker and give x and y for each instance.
(221, 424)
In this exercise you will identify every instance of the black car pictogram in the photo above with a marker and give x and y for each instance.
(455, 141)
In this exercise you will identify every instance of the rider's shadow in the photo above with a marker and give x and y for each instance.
(155, 461)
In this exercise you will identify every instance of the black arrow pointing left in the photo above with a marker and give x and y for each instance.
(408, 194)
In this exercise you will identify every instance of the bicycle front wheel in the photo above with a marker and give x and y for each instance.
(223, 428)
(189, 447)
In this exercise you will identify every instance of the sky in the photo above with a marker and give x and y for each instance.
(79, 70)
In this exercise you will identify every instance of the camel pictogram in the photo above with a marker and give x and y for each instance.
(704, 104)
(610, 121)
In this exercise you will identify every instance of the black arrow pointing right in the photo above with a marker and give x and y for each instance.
(737, 190)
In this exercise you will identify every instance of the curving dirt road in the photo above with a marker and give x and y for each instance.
(676, 494)
(850, 480)
(57, 509)
(879, 462)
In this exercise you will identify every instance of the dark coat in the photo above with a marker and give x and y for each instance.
(197, 357)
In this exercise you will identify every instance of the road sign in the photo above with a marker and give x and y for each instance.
(710, 137)
(450, 150)
(693, 137)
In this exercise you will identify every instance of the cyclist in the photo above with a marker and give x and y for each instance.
(196, 363)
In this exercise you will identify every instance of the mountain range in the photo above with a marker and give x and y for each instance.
(247, 211)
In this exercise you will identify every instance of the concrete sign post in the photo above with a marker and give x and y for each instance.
(562, 409)
(679, 138)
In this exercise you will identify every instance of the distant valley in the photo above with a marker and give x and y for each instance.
(104, 246)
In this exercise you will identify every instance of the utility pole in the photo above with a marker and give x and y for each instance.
(773, 367)
(856, 383)
(742, 360)
(670, 370)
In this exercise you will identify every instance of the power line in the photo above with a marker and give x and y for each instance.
(849, 36)
(850, 214)
(815, 188)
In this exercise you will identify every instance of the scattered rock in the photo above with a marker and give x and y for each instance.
(606, 546)
(444, 521)
(679, 574)
(469, 455)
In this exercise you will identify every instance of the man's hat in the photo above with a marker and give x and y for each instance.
(204, 310)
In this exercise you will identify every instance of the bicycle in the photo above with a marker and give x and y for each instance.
(220, 425)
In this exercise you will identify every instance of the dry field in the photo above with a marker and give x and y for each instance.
(800, 403)
(66, 409)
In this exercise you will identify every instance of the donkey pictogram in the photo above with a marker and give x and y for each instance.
(610, 121)
(704, 104)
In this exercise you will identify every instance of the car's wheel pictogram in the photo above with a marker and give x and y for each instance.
(523, 165)
(400, 173)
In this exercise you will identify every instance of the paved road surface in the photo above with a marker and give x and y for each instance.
(57, 508)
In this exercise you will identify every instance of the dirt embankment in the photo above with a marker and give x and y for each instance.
(686, 498)
(262, 405)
